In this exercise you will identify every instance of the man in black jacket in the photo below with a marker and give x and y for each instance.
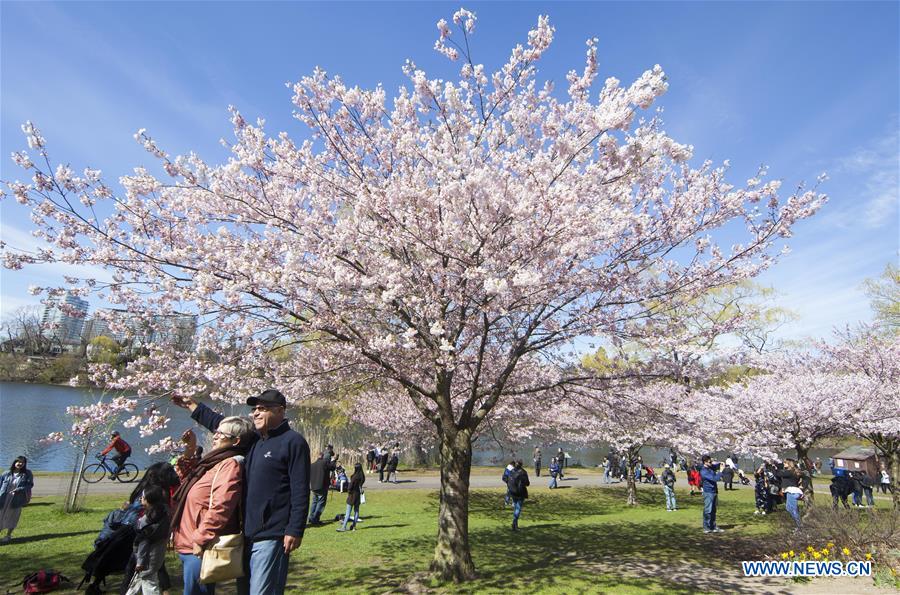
(276, 494)
(319, 482)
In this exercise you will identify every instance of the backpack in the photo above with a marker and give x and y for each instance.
(515, 483)
(43, 581)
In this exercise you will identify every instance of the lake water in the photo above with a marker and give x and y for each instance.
(28, 412)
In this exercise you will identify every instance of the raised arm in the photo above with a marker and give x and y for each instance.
(200, 413)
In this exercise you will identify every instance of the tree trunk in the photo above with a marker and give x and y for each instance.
(631, 455)
(806, 483)
(452, 555)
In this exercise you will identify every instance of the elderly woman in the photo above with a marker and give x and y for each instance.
(15, 493)
(206, 503)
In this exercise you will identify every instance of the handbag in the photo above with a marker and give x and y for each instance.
(362, 497)
(223, 558)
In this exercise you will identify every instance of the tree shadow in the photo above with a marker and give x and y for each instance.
(45, 536)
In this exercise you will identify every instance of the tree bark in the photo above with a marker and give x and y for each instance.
(631, 454)
(806, 480)
(452, 554)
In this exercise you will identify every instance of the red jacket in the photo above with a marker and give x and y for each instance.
(120, 445)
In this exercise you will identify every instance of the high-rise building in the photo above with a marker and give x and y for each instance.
(64, 317)
(134, 332)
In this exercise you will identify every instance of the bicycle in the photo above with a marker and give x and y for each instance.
(97, 471)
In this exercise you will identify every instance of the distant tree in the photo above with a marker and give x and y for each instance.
(884, 298)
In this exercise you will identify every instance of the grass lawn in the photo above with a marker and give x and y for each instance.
(573, 540)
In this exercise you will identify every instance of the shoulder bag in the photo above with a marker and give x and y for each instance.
(223, 558)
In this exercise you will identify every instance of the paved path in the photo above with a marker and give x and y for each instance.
(57, 485)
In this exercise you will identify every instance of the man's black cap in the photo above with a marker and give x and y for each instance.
(268, 397)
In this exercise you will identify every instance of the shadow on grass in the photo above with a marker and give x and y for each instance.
(45, 536)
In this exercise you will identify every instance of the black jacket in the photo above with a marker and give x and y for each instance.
(319, 476)
(789, 479)
(355, 489)
(668, 478)
(276, 475)
(518, 484)
(392, 463)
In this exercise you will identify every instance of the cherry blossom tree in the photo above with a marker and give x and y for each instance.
(449, 244)
(88, 422)
(632, 415)
(874, 413)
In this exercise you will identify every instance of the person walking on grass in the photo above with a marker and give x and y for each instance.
(276, 504)
(709, 475)
(507, 471)
(668, 481)
(354, 497)
(15, 493)
(518, 490)
(537, 461)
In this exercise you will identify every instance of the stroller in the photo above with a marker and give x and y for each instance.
(112, 548)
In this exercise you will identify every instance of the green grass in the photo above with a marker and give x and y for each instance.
(573, 540)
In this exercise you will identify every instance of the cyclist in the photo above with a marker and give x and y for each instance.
(123, 451)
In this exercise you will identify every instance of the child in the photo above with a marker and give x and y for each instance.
(340, 478)
(150, 541)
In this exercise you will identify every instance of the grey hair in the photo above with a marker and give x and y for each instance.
(237, 427)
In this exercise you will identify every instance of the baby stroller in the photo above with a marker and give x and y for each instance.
(649, 475)
(112, 548)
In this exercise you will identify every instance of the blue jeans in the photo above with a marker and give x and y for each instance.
(351, 510)
(517, 509)
(670, 498)
(552, 480)
(870, 500)
(265, 568)
(507, 499)
(190, 568)
(710, 502)
(792, 505)
(318, 506)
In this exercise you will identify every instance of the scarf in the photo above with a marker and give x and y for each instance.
(212, 458)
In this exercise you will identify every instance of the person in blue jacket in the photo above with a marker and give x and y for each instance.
(276, 497)
(709, 474)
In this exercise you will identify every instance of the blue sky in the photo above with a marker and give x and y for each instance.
(803, 87)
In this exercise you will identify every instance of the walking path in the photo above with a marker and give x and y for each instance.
(56, 485)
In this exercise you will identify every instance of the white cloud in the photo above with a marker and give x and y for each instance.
(876, 168)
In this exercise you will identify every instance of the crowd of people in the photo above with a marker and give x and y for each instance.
(251, 497)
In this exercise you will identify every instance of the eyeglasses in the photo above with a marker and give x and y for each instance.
(223, 434)
(263, 408)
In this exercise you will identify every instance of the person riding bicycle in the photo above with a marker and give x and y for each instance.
(123, 451)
